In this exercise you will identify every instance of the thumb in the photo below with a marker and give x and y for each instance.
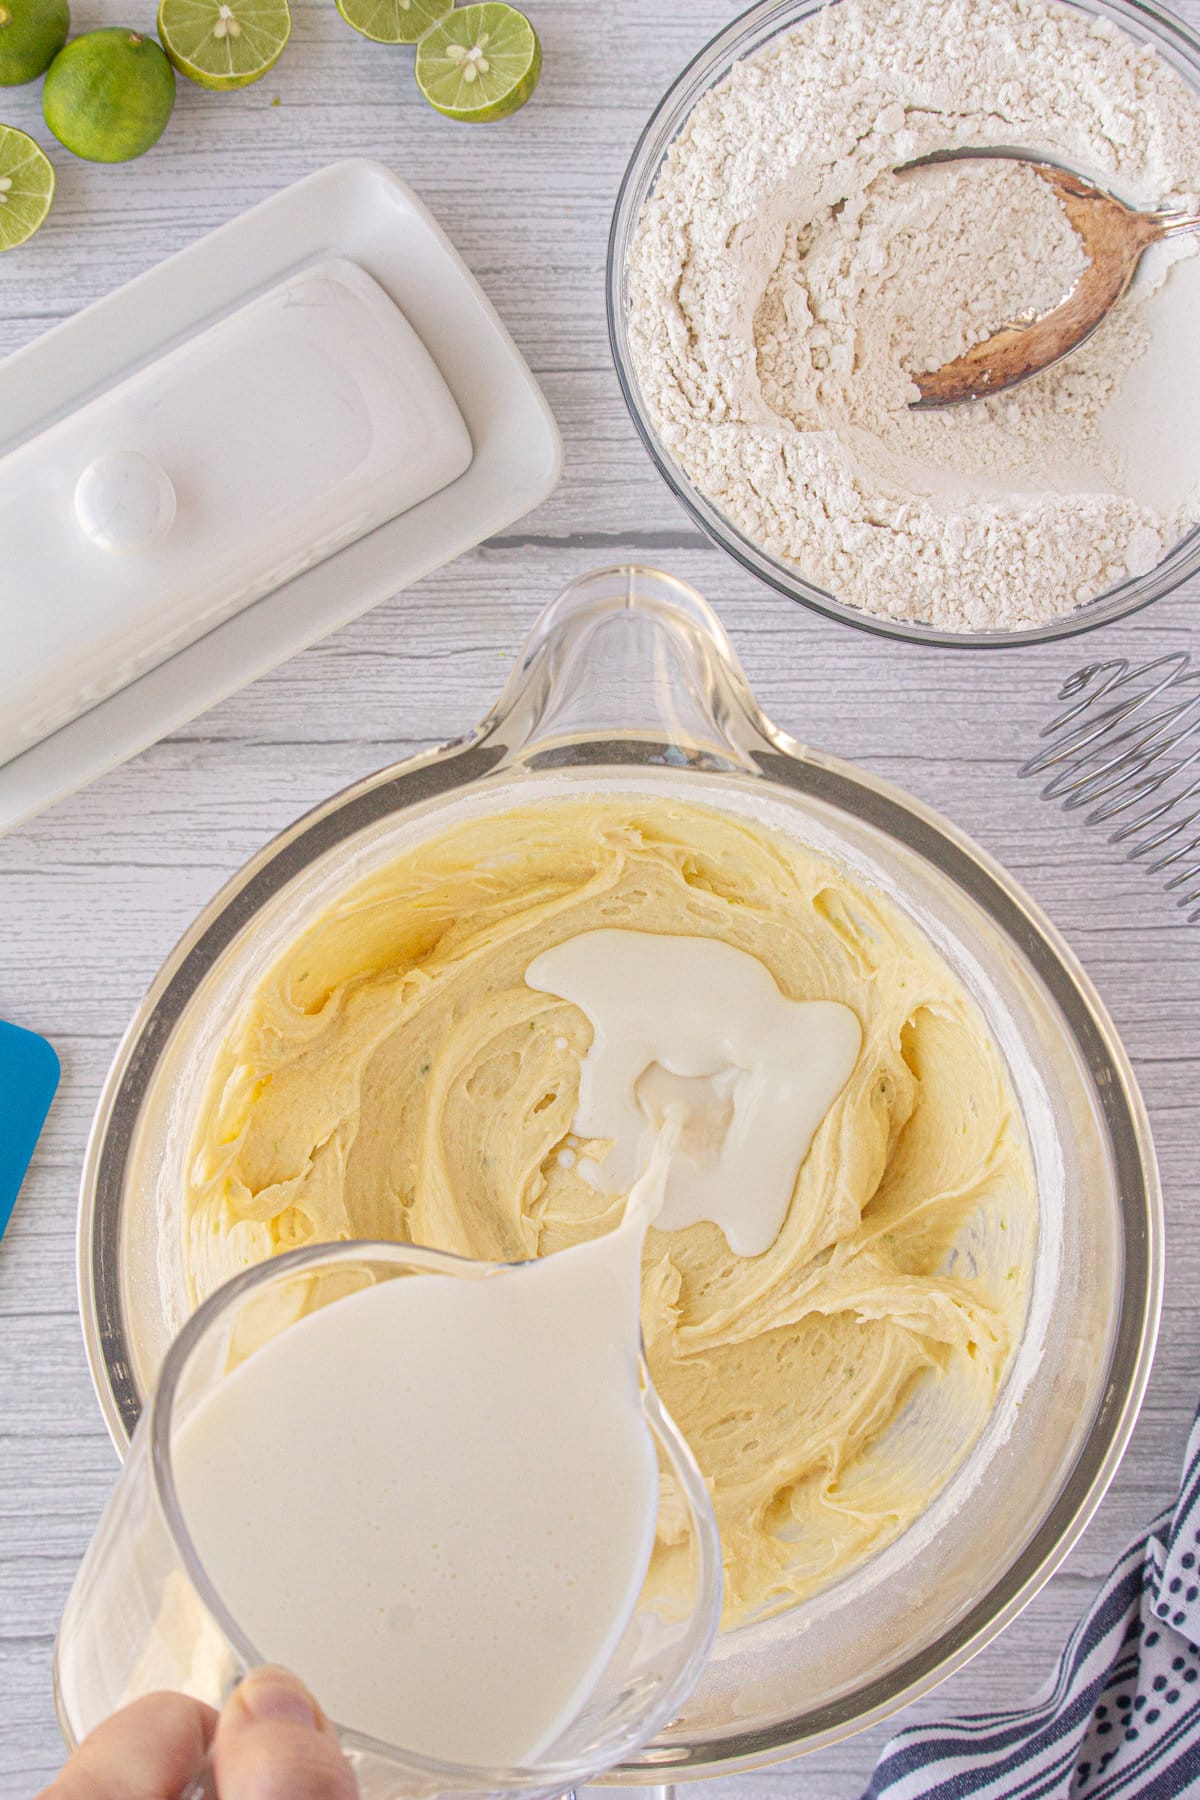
(273, 1742)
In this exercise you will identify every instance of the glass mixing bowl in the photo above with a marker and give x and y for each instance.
(629, 685)
(1141, 19)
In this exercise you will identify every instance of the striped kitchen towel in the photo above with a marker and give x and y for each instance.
(1123, 1720)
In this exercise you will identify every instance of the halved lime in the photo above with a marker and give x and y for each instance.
(109, 94)
(32, 32)
(224, 44)
(26, 187)
(393, 21)
(480, 62)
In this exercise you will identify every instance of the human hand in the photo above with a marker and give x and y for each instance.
(271, 1742)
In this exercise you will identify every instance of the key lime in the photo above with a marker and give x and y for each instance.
(32, 32)
(393, 21)
(224, 44)
(26, 187)
(479, 62)
(109, 94)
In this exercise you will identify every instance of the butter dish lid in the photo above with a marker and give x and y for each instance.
(247, 453)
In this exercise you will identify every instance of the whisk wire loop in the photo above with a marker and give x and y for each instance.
(1136, 827)
(1127, 749)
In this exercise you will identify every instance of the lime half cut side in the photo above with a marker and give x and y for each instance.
(480, 62)
(393, 21)
(222, 44)
(26, 187)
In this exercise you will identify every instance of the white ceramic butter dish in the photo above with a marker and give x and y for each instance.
(404, 269)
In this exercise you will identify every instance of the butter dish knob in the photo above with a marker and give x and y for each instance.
(124, 501)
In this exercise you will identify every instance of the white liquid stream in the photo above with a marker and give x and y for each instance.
(436, 1499)
(696, 1023)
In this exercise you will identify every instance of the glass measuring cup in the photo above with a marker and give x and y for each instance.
(143, 1614)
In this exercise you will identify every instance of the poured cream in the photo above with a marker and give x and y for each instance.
(698, 1024)
(436, 1498)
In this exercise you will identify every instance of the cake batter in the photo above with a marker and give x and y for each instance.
(395, 1076)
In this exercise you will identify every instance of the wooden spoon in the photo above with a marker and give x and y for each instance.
(1114, 236)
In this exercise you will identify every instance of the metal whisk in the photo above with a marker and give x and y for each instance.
(1129, 750)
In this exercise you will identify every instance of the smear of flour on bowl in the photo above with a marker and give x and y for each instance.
(786, 283)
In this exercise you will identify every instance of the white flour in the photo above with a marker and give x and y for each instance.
(785, 283)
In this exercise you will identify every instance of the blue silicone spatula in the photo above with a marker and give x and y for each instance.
(29, 1071)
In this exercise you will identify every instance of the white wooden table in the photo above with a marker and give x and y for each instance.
(93, 894)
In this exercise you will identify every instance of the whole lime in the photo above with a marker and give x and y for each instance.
(32, 32)
(109, 94)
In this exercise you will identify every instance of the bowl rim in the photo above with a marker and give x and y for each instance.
(709, 65)
(904, 820)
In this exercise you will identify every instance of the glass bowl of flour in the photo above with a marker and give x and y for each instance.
(774, 284)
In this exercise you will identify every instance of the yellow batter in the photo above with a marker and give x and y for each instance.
(394, 1077)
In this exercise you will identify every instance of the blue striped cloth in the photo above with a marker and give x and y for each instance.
(1123, 1720)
